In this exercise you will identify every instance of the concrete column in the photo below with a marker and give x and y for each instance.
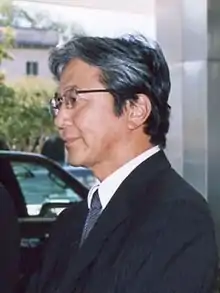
(189, 32)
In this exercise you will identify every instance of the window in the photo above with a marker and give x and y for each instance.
(31, 68)
(83, 175)
(42, 188)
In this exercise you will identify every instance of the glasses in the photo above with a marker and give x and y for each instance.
(69, 98)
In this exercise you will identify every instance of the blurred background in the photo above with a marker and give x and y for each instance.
(189, 33)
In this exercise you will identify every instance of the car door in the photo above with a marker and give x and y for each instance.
(42, 187)
(46, 189)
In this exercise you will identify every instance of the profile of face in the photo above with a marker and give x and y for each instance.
(94, 136)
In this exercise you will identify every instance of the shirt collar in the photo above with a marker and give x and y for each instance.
(108, 187)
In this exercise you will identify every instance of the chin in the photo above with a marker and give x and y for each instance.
(74, 160)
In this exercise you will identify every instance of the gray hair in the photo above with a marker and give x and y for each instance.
(129, 65)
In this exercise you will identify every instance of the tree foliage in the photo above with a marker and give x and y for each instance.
(6, 42)
(25, 122)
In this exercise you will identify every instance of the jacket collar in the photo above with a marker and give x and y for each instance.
(130, 196)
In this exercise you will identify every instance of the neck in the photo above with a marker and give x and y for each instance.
(117, 159)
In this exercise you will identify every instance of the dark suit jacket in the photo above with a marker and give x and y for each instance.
(9, 243)
(155, 236)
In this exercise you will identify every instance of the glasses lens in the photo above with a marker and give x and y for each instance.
(70, 98)
(55, 105)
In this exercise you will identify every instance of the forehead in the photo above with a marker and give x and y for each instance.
(80, 74)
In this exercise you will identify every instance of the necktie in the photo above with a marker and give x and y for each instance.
(92, 217)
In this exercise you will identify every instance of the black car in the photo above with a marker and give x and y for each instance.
(40, 189)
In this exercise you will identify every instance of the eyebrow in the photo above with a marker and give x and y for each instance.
(67, 89)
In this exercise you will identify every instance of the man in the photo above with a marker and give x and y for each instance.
(143, 228)
(9, 244)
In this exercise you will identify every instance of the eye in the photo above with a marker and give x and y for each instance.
(71, 98)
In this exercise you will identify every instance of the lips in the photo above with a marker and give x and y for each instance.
(69, 141)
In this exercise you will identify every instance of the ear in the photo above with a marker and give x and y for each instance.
(138, 111)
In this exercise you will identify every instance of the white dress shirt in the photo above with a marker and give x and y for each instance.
(108, 187)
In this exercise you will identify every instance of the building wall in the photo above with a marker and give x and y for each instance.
(139, 6)
(189, 34)
(16, 68)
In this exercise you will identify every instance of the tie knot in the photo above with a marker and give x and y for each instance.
(96, 203)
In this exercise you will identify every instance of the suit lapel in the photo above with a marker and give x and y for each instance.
(67, 248)
(108, 221)
(125, 201)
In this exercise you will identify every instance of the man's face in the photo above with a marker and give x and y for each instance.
(92, 133)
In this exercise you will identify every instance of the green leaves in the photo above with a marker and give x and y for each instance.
(25, 121)
(24, 117)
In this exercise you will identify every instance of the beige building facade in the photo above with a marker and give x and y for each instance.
(30, 54)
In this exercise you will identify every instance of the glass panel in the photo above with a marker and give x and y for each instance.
(41, 187)
(83, 175)
(28, 68)
(35, 68)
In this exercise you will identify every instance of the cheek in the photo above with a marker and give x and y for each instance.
(103, 133)
(96, 129)
(99, 125)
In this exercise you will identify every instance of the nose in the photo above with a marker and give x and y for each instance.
(63, 117)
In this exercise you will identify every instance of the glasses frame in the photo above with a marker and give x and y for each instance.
(54, 105)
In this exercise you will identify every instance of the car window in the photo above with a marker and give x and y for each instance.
(40, 187)
(83, 175)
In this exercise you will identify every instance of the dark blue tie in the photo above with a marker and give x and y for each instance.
(92, 217)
